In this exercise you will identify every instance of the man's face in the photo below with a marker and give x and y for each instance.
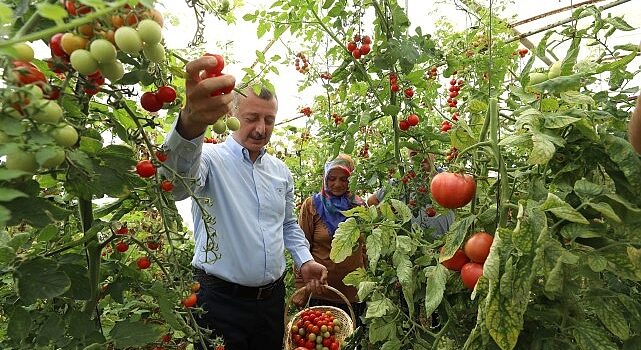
(257, 117)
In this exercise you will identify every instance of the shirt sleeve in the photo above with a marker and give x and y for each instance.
(183, 158)
(293, 235)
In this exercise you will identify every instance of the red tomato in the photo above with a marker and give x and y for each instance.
(143, 263)
(55, 44)
(145, 168)
(166, 94)
(456, 262)
(413, 119)
(478, 246)
(470, 274)
(220, 64)
(452, 190)
(409, 93)
(27, 73)
(403, 125)
(365, 49)
(366, 40)
(301, 348)
(356, 53)
(166, 186)
(153, 245)
(122, 247)
(161, 156)
(150, 102)
(351, 46)
(122, 230)
(190, 300)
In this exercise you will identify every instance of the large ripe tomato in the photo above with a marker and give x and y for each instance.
(470, 274)
(220, 64)
(452, 190)
(456, 262)
(478, 246)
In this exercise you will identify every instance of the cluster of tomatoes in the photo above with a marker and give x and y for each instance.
(452, 93)
(306, 111)
(122, 246)
(304, 68)
(152, 101)
(338, 119)
(315, 330)
(470, 260)
(521, 52)
(412, 120)
(207, 139)
(451, 154)
(325, 76)
(432, 73)
(359, 47)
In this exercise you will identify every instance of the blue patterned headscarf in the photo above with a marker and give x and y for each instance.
(328, 206)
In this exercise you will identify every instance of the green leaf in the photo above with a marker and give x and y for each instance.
(543, 150)
(619, 23)
(374, 243)
(635, 256)
(90, 145)
(355, 277)
(379, 308)
(606, 210)
(403, 212)
(365, 289)
(167, 307)
(381, 330)
(8, 194)
(53, 12)
(405, 275)
(6, 14)
(40, 278)
(134, 334)
(7, 174)
(455, 236)
(434, 287)
(618, 64)
(7, 256)
(558, 121)
(391, 110)
(590, 337)
(597, 263)
(19, 324)
(52, 330)
(560, 84)
(563, 210)
(576, 98)
(392, 344)
(612, 317)
(345, 239)
(38, 211)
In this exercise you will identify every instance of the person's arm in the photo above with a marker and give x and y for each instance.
(183, 143)
(634, 127)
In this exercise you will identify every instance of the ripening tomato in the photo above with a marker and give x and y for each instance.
(27, 73)
(145, 168)
(190, 300)
(456, 262)
(161, 156)
(143, 263)
(470, 274)
(477, 247)
(452, 190)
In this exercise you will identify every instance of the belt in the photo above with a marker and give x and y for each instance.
(231, 288)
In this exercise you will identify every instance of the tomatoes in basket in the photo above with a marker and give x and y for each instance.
(477, 247)
(452, 190)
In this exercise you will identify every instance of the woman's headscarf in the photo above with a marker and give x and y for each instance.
(328, 206)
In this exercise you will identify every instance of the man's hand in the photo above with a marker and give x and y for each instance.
(201, 109)
(315, 275)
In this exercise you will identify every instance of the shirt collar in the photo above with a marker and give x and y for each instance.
(241, 152)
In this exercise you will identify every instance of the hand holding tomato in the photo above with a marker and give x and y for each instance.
(201, 109)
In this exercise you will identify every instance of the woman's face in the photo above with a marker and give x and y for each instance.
(337, 182)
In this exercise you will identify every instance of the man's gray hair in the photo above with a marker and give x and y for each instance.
(264, 94)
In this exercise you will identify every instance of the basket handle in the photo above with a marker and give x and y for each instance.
(336, 291)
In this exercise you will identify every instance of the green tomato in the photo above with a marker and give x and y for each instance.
(537, 77)
(103, 51)
(555, 70)
(65, 136)
(22, 160)
(24, 52)
(128, 40)
(45, 111)
(233, 123)
(154, 53)
(219, 126)
(33, 92)
(51, 157)
(112, 70)
(83, 62)
(149, 31)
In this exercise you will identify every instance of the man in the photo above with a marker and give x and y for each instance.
(634, 127)
(252, 195)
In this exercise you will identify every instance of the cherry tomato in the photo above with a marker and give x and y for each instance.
(166, 94)
(143, 263)
(190, 300)
(150, 102)
(145, 168)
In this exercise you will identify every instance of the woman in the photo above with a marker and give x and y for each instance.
(319, 217)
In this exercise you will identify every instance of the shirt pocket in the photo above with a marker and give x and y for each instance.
(277, 197)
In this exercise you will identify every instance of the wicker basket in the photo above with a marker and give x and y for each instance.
(347, 321)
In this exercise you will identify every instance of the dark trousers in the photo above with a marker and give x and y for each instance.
(244, 323)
